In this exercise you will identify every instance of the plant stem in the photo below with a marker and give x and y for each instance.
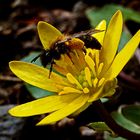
(120, 131)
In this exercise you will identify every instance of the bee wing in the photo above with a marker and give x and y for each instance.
(47, 34)
(87, 32)
(65, 39)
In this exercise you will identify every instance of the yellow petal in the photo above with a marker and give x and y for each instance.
(38, 76)
(111, 40)
(48, 34)
(65, 111)
(123, 56)
(84, 107)
(43, 105)
(100, 36)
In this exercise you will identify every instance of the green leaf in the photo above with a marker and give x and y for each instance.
(132, 113)
(106, 12)
(37, 92)
(101, 127)
(104, 100)
(122, 121)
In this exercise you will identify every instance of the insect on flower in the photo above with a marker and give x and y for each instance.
(65, 44)
(79, 79)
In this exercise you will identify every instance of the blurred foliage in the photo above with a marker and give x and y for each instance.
(97, 14)
(132, 113)
(101, 127)
(125, 38)
(126, 116)
(121, 120)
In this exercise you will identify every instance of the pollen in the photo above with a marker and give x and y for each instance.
(76, 43)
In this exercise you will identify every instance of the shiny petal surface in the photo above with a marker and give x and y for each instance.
(111, 40)
(100, 36)
(38, 76)
(65, 111)
(48, 34)
(123, 56)
(43, 105)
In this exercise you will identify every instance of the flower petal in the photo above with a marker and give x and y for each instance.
(65, 111)
(38, 76)
(48, 34)
(123, 56)
(43, 105)
(111, 40)
(100, 36)
(84, 107)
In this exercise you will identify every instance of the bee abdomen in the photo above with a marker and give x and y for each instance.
(90, 42)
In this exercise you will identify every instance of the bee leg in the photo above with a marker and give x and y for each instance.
(51, 68)
(34, 59)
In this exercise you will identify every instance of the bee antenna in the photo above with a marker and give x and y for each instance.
(34, 59)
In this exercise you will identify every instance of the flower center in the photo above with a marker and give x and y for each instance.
(86, 78)
(83, 72)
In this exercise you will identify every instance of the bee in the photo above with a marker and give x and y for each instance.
(65, 45)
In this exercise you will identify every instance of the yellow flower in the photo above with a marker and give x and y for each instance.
(83, 78)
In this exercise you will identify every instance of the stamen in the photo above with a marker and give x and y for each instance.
(69, 65)
(97, 58)
(90, 52)
(61, 70)
(88, 76)
(95, 81)
(73, 80)
(86, 90)
(75, 60)
(67, 90)
(90, 63)
(100, 68)
(101, 82)
(72, 69)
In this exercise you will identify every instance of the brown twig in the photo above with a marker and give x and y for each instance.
(120, 131)
(9, 78)
(130, 80)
